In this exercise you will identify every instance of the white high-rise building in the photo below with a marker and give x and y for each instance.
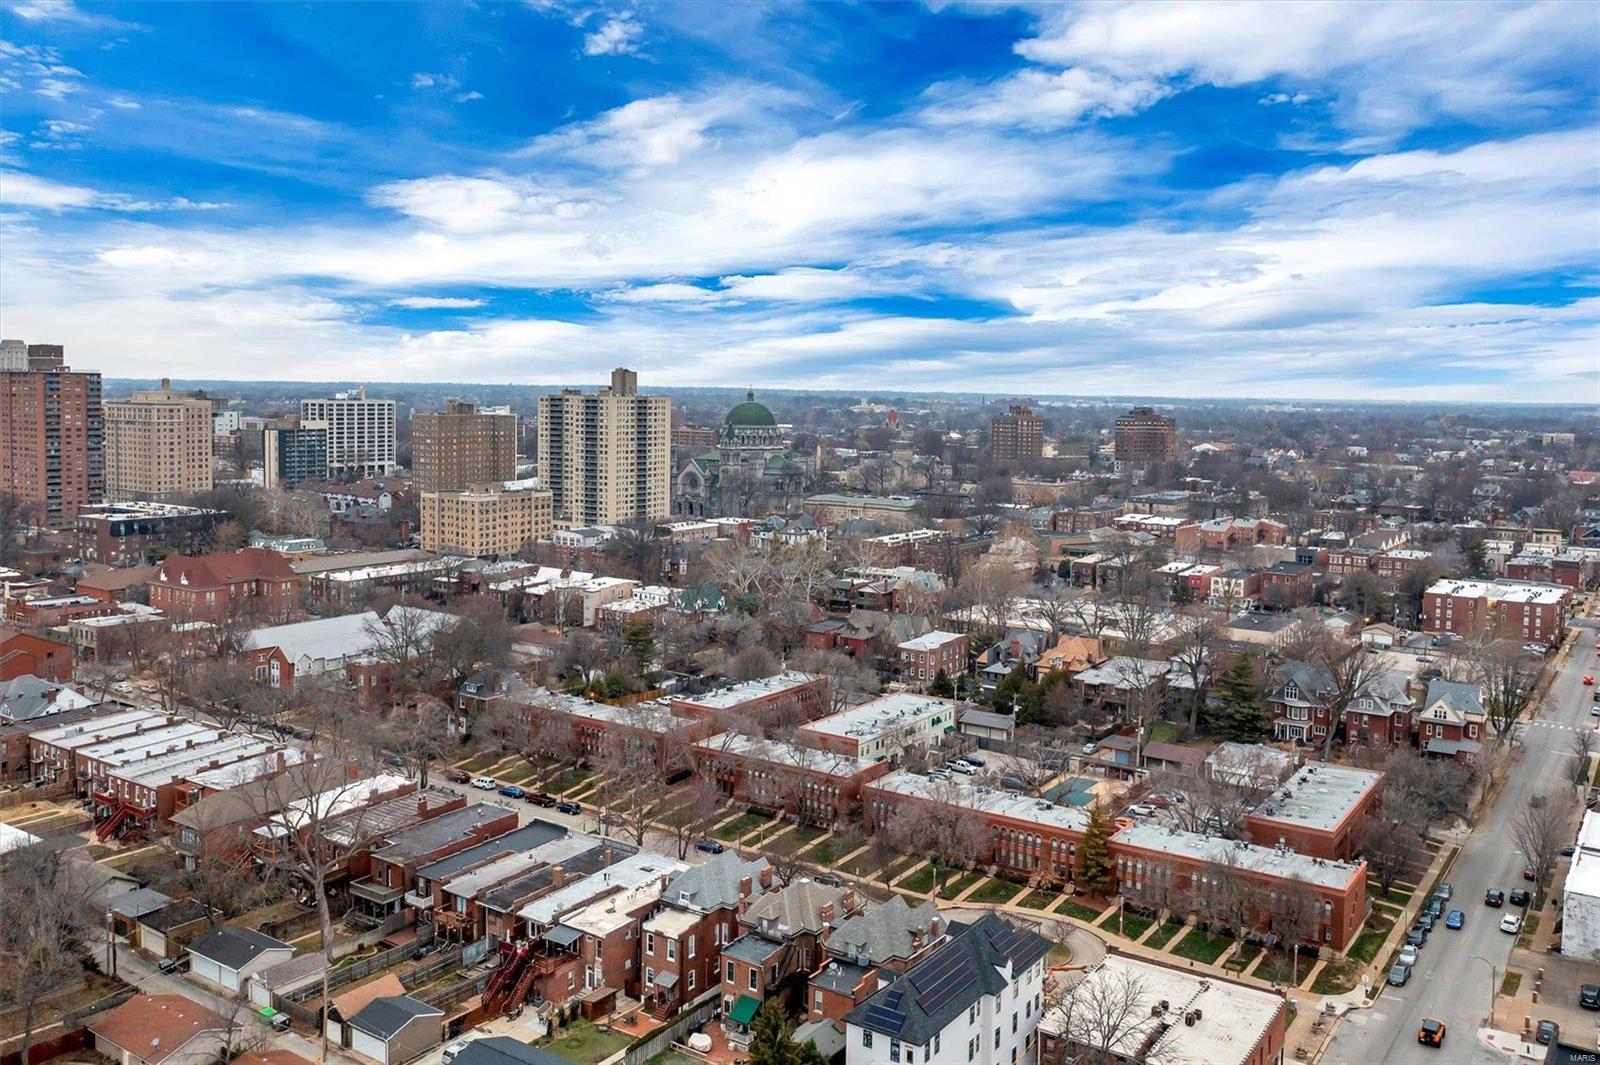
(360, 433)
(14, 356)
(606, 456)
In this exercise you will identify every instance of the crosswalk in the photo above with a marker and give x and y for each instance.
(1557, 726)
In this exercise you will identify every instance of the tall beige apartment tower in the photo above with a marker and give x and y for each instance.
(463, 446)
(606, 456)
(158, 444)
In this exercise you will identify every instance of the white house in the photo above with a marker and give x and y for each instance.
(229, 956)
(976, 999)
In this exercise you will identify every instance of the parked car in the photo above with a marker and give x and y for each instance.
(710, 846)
(1140, 809)
(568, 807)
(511, 791)
(1409, 955)
(1398, 975)
(960, 767)
(457, 776)
(1589, 996)
(973, 759)
(1529, 873)
(1521, 897)
(1014, 782)
(1426, 920)
(829, 880)
(1588, 679)
(172, 965)
(541, 798)
(484, 783)
(610, 819)
(1444, 891)
(1512, 923)
(1568, 851)
(1090, 748)
(1494, 897)
(1435, 907)
(1455, 919)
(394, 760)
(449, 1053)
(1416, 937)
(1547, 1032)
(1431, 1032)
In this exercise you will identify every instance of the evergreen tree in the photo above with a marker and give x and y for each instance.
(640, 636)
(771, 1042)
(942, 685)
(1096, 872)
(1008, 692)
(1239, 712)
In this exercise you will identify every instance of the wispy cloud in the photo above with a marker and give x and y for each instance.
(618, 35)
(437, 303)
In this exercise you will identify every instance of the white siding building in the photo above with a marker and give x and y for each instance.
(360, 433)
(1580, 902)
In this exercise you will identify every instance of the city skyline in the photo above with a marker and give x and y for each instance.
(1387, 202)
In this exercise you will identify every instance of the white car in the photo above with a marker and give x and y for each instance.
(484, 783)
(1512, 923)
(1142, 810)
(449, 1053)
(960, 767)
(1408, 955)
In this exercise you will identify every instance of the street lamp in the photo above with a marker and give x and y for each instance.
(1493, 984)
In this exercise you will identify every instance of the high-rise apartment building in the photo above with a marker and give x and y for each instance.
(485, 519)
(360, 433)
(1017, 436)
(463, 446)
(51, 434)
(1143, 437)
(158, 444)
(291, 453)
(606, 456)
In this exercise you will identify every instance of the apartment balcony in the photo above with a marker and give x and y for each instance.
(418, 902)
(373, 891)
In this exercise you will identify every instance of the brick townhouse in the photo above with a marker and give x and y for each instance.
(1517, 610)
(1317, 811)
(252, 581)
(699, 915)
(922, 658)
(394, 865)
(23, 653)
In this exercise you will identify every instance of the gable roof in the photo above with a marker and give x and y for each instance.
(714, 884)
(1456, 698)
(503, 1050)
(942, 986)
(888, 932)
(796, 907)
(359, 998)
(154, 1027)
(219, 571)
(234, 947)
(387, 1017)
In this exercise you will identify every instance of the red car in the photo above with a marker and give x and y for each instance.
(1588, 678)
(457, 776)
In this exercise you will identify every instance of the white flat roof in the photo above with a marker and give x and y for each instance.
(653, 716)
(604, 916)
(1584, 876)
(144, 745)
(793, 755)
(744, 692)
(1318, 795)
(507, 866)
(930, 641)
(996, 801)
(1233, 1019)
(349, 796)
(247, 769)
(12, 837)
(628, 873)
(895, 710)
(164, 769)
(80, 733)
(1268, 861)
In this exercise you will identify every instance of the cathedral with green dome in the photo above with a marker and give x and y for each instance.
(749, 473)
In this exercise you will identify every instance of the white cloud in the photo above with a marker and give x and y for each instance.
(1392, 66)
(467, 97)
(1039, 99)
(24, 190)
(55, 88)
(123, 104)
(436, 303)
(443, 82)
(618, 35)
(666, 292)
(64, 11)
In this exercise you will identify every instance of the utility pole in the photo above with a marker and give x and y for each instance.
(1493, 984)
(111, 947)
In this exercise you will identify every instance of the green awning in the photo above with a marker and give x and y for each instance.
(744, 1010)
(267, 1013)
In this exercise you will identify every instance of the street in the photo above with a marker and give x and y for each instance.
(1450, 981)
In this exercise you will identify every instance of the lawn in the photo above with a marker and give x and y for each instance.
(1279, 967)
(1365, 948)
(799, 837)
(1529, 928)
(523, 775)
(568, 779)
(823, 853)
(955, 885)
(483, 761)
(584, 1042)
(1073, 908)
(920, 881)
(1038, 900)
(1164, 732)
(995, 892)
(1132, 925)
(1511, 983)
(1337, 977)
(1242, 957)
(1161, 936)
(740, 826)
(1392, 895)
(1201, 946)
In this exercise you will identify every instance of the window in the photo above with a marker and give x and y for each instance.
(866, 1038)
(752, 977)
(972, 1013)
(649, 977)
(672, 950)
(691, 979)
(1013, 1022)
(691, 946)
(894, 1050)
(936, 1042)
(997, 1039)
(728, 976)
(816, 1002)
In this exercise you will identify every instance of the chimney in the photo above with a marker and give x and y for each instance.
(916, 939)
(826, 913)
(933, 928)
(352, 770)
(282, 763)
(558, 875)
(766, 877)
(422, 805)
(745, 887)
(849, 900)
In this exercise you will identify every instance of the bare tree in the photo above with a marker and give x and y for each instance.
(42, 938)
(1192, 651)
(1584, 743)
(1106, 1016)
(943, 830)
(1540, 832)
(848, 677)
(1349, 670)
(418, 730)
(1389, 844)
(692, 813)
(1505, 673)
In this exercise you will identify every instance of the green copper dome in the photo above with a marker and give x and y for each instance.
(750, 414)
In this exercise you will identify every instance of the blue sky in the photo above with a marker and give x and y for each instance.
(1385, 201)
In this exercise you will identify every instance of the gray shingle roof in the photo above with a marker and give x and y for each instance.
(386, 1017)
(233, 947)
(503, 1050)
(888, 932)
(1462, 698)
(714, 884)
